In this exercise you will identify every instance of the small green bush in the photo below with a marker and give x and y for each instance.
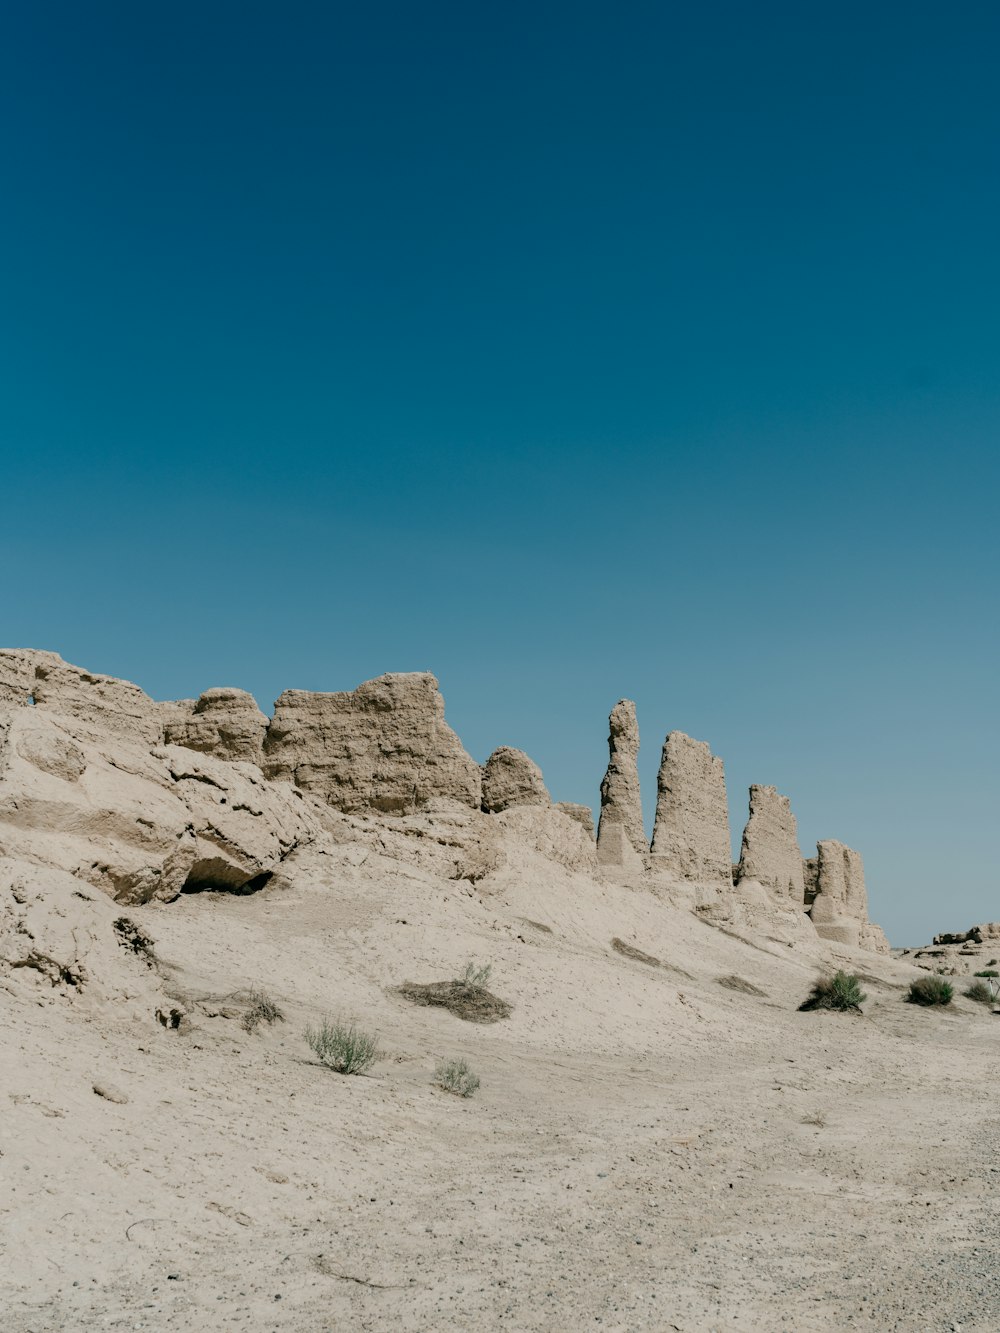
(262, 1010)
(987, 973)
(474, 976)
(980, 992)
(456, 1076)
(842, 991)
(343, 1046)
(930, 990)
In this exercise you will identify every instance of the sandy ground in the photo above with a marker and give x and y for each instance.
(649, 1149)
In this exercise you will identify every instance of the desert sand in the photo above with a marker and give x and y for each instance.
(665, 1143)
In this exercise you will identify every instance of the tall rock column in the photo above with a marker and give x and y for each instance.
(691, 833)
(770, 853)
(839, 909)
(621, 837)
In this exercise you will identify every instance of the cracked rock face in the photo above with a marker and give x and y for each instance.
(839, 909)
(691, 833)
(138, 824)
(620, 831)
(384, 746)
(511, 778)
(770, 853)
(100, 705)
(223, 722)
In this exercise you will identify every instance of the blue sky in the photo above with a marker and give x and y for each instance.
(569, 351)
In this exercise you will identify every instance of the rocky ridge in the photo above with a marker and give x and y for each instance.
(104, 789)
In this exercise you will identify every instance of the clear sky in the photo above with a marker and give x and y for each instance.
(570, 351)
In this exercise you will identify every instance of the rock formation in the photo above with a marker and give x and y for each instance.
(621, 836)
(223, 722)
(839, 898)
(691, 832)
(770, 852)
(384, 746)
(511, 778)
(135, 822)
(581, 813)
(144, 801)
(100, 704)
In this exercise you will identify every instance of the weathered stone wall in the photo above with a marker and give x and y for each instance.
(770, 852)
(621, 836)
(581, 813)
(839, 910)
(511, 778)
(102, 704)
(384, 746)
(691, 832)
(223, 722)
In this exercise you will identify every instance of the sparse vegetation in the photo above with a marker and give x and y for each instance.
(980, 992)
(474, 976)
(456, 1076)
(930, 990)
(343, 1046)
(466, 997)
(817, 1118)
(132, 938)
(840, 992)
(738, 983)
(630, 951)
(987, 973)
(262, 1010)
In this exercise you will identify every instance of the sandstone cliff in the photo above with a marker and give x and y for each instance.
(384, 746)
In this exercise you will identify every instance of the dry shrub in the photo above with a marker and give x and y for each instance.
(630, 951)
(980, 992)
(465, 997)
(930, 990)
(262, 1010)
(456, 1076)
(841, 992)
(343, 1046)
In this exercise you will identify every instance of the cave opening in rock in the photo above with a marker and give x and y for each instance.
(214, 875)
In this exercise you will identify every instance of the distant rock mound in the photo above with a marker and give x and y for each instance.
(223, 722)
(384, 746)
(511, 778)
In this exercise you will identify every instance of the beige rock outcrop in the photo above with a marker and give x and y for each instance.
(621, 836)
(138, 824)
(839, 906)
(224, 722)
(384, 746)
(770, 852)
(102, 705)
(511, 778)
(581, 813)
(691, 832)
